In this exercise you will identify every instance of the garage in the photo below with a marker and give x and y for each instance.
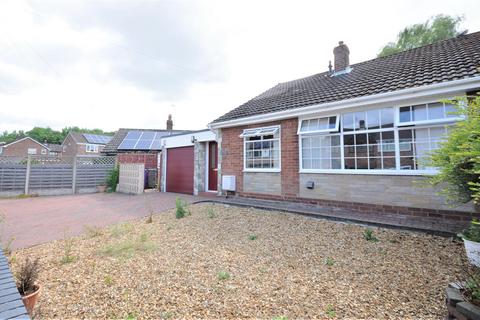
(180, 170)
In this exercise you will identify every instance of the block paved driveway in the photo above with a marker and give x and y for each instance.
(38, 220)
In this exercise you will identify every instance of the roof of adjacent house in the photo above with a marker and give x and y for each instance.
(452, 59)
(54, 147)
(117, 139)
(24, 138)
(79, 137)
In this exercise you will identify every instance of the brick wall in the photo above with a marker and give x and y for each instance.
(20, 148)
(149, 159)
(232, 157)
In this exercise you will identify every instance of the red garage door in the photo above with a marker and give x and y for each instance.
(180, 170)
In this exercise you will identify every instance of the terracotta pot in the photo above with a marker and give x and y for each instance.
(31, 299)
(101, 188)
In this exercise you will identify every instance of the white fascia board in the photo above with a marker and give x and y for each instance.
(25, 138)
(450, 88)
(185, 140)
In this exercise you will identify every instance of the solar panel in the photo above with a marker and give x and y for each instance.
(142, 140)
(97, 138)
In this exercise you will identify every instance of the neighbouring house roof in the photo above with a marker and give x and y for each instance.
(81, 137)
(448, 60)
(25, 138)
(112, 146)
(54, 147)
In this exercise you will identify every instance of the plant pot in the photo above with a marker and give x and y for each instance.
(473, 251)
(31, 299)
(101, 188)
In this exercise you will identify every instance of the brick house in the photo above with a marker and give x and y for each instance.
(355, 136)
(24, 147)
(77, 143)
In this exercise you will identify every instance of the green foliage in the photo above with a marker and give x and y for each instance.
(252, 237)
(280, 318)
(67, 252)
(93, 231)
(329, 262)
(473, 231)
(369, 236)
(211, 214)
(120, 229)
(440, 27)
(166, 315)
(181, 208)
(112, 178)
(128, 248)
(108, 280)
(8, 137)
(330, 311)
(458, 158)
(223, 275)
(47, 134)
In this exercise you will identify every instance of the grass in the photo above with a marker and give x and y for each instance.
(67, 257)
(280, 318)
(93, 231)
(120, 229)
(329, 262)
(223, 275)
(369, 236)
(181, 208)
(330, 311)
(128, 248)
(211, 213)
(108, 280)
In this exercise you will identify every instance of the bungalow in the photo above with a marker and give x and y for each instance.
(77, 143)
(25, 146)
(355, 136)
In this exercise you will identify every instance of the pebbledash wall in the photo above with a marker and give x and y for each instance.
(364, 192)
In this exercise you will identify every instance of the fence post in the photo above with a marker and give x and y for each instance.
(27, 177)
(74, 177)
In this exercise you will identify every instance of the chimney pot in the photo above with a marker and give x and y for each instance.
(341, 55)
(169, 123)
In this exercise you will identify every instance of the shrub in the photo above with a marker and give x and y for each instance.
(112, 178)
(211, 213)
(181, 208)
(67, 252)
(369, 236)
(252, 237)
(223, 275)
(469, 285)
(458, 158)
(473, 231)
(27, 276)
(329, 262)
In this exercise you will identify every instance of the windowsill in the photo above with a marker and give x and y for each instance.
(374, 172)
(262, 170)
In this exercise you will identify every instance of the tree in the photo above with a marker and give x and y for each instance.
(438, 28)
(458, 158)
(47, 135)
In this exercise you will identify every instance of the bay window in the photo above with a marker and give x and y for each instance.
(262, 149)
(384, 139)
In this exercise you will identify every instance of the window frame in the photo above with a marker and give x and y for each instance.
(32, 151)
(424, 122)
(244, 137)
(336, 129)
(90, 145)
(397, 126)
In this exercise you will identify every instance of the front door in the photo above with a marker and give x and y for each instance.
(212, 166)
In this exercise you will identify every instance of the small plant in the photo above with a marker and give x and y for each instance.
(27, 276)
(120, 229)
(112, 179)
(144, 237)
(7, 247)
(211, 214)
(330, 311)
(67, 252)
(93, 231)
(369, 236)
(280, 318)
(166, 315)
(181, 208)
(252, 237)
(131, 316)
(473, 231)
(108, 280)
(470, 285)
(128, 248)
(223, 275)
(329, 261)
(169, 227)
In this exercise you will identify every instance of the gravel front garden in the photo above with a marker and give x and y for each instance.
(228, 262)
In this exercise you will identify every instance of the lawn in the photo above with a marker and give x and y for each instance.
(228, 262)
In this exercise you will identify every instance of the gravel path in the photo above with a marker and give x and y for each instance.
(229, 262)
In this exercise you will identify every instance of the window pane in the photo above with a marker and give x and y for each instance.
(450, 110)
(373, 119)
(349, 139)
(406, 163)
(336, 164)
(389, 163)
(375, 163)
(362, 163)
(419, 113)
(307, 164)
(360, 120)
(335, 140)
(349, 163)
(435, 111)
(315, 142)
(405, 114)
(348, 122)
(332, 122)
(361, 138)
(387, 118)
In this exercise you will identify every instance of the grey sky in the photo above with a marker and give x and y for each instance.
(112, 64)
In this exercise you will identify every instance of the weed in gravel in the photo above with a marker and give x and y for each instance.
(150, 218)
(67, 252)
(169, 227)
(108, 280)
(181, 208)
(131, 316)
(120, 229)
(128, 248)
(330, 311)
(223, 275)
(280, 318)
(252, 237)
(93, 231)
(166, 315)
(7, 247)
(329, 262)
(369, 236)
(13, 259)
(211, 214)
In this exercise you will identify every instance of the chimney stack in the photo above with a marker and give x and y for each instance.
(169, 123)
(341, 57)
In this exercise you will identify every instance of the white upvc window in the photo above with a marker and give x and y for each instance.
(262, 149)
(319, 125)
(392, 140)
(91, 148)
(32, 151)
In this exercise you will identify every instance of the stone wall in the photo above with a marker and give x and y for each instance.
(199, 150)
(403, 191)
(262, 182)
